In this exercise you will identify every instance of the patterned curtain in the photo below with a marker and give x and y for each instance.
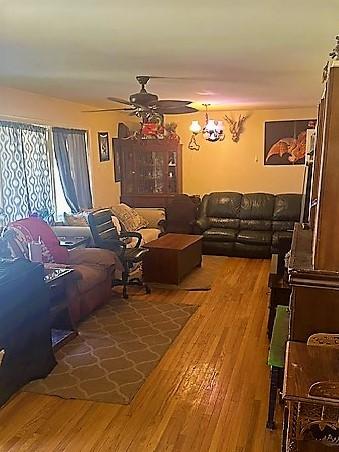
(25, 175)
(71, 155)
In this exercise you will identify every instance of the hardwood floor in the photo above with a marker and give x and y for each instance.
(209, 392)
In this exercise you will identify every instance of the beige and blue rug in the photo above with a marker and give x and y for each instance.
(115, 351)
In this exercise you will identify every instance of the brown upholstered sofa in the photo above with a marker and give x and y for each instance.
(77, 225)
(94, 268)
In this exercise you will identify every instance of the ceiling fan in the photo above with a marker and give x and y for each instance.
(146, 105)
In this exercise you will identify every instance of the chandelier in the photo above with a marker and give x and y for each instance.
(212, 131)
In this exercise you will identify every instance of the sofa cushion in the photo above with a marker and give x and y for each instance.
(224, 205)
(220, 235)
(255, 237)
(92, 275)
(232, 223)
(257, 206)
(76, 219)
(256, 225)
(147, 234)
(287, 207)
(129, 218)
(34, 229)
(152, 215)
(93, 256)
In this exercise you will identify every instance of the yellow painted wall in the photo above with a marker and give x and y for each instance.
(20, 105)
(216, 167)
(226, 165)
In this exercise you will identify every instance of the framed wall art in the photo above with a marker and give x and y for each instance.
(103, 146)
(285, 141)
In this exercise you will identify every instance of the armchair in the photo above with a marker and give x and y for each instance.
(105, 236)
(181, 214)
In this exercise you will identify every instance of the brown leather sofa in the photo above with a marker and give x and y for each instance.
(247, 225)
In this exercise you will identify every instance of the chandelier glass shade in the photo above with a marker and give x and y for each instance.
(212, 131)
(195, 127)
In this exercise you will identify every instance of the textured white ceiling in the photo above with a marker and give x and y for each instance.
(259, 53)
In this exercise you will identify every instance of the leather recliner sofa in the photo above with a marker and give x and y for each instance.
(247, 225)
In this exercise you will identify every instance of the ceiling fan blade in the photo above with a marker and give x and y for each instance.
(108, 109)
(170, 103)
(176, 111)
(120, 101)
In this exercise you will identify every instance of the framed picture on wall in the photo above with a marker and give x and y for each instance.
(117, 159)
(285, 141)
(103, 146)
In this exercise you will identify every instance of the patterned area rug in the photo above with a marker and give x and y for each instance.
(117, 348)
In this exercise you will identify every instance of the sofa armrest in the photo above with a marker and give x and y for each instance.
(162, 225)
(153, 216)
(94, 256)
(201, 224)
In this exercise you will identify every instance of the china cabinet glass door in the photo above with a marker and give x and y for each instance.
(150, 172)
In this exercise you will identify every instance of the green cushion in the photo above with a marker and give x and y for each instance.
(276, 355)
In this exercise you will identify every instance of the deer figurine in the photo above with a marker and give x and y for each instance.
(236, 126)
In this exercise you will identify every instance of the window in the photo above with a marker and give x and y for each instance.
(41, 174)
(61, 205)
(70, 150)
(25, 171)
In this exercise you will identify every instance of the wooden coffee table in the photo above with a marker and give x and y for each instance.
(171, 258)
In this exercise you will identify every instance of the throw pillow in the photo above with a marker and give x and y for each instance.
(116, 224)
(36, 230)
(129, 218)
(76, 219)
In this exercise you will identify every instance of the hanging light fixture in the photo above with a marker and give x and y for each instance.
(212, 131)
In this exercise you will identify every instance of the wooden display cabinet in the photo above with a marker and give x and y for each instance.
(151, 171)
(314, 276)
(314, 263)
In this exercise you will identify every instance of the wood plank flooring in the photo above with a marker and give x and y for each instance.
(209, 392)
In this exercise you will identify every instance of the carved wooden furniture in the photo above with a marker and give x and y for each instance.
(311, 390)
(171, 258)
(279, 291)
(314, 264)
(315, 296)
(151, 171)
(311, 373)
